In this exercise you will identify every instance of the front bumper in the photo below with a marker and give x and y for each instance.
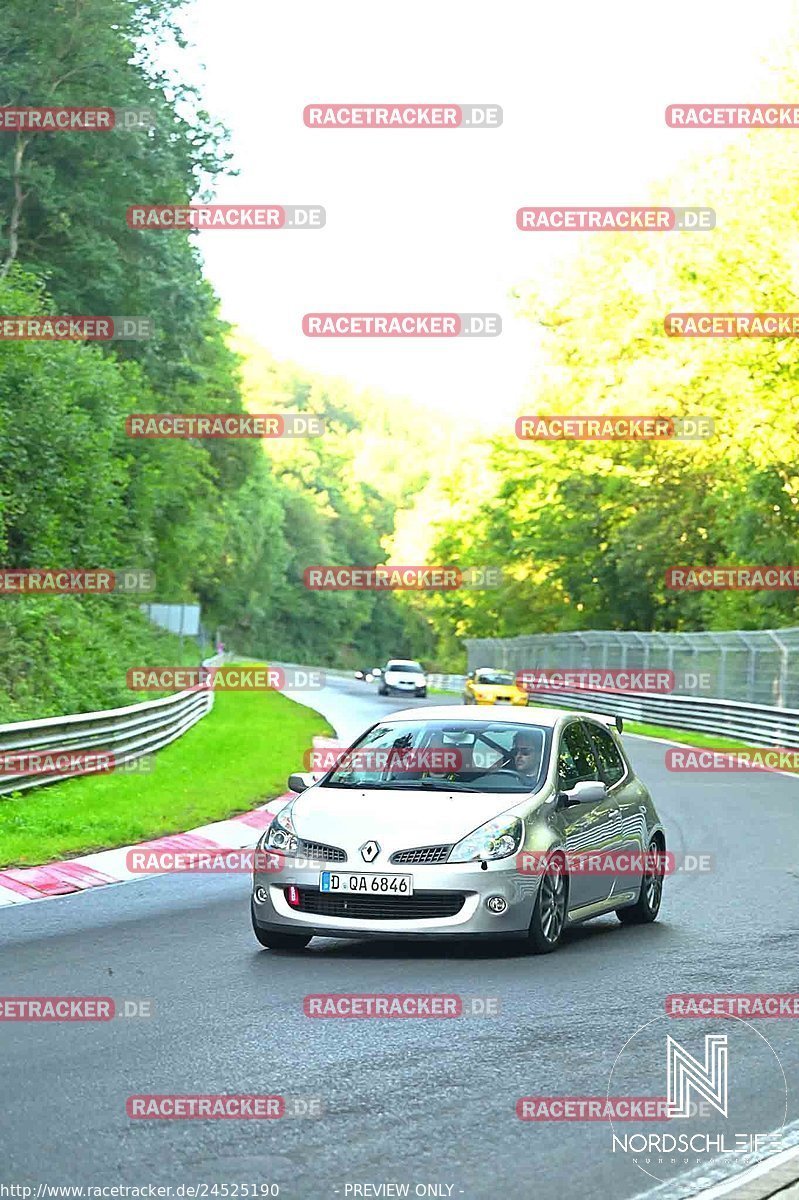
(272, 911)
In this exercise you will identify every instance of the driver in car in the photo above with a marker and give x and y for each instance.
(524, 756)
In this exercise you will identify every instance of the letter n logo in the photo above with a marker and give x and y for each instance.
(708, 1080)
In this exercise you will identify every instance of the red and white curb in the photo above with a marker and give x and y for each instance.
(20, 885)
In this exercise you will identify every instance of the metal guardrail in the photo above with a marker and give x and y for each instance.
(759, 666)
(447, 683)
(128, 733)
(755, 724)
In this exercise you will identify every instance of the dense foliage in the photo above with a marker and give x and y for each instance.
(223, 522)
(586, 530)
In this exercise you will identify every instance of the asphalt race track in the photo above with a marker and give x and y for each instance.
(417, 1102)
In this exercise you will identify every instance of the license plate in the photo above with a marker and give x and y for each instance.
(367, 885)
(501, 700)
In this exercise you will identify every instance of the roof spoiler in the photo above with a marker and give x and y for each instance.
(609, 719)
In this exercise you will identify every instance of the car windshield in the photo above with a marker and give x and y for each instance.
(494, 677)
(405, 666)
(448, 756)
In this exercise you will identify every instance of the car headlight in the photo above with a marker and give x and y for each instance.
(281, 834)
(497, 839)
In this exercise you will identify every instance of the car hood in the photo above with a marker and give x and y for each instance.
(396, 819)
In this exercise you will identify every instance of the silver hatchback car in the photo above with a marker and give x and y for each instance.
(438, 823)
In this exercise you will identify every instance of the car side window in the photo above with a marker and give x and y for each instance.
(576, 758)
(611, 763)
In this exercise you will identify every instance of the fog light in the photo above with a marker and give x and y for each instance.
(260, 895)
(496, 904)
(292, 894)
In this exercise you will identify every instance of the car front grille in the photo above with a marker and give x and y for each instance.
(319, 852)
(418, 907)
(422, 855)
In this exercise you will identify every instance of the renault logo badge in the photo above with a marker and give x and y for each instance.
(369, 851)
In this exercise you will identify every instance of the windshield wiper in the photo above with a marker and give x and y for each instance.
(348, 783)
(415, 785)
(433, 785)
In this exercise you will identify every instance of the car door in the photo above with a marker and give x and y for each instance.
(630, 795)
(586, 828)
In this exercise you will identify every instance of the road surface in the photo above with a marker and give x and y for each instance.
(406, 1102)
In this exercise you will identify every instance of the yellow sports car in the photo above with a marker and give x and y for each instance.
(487, 686)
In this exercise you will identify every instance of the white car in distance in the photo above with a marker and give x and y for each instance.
(404, 677)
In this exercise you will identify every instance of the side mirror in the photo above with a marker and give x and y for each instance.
(299, 783)
(590, 791)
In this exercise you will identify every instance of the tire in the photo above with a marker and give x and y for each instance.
(421, 692)
(467, 698)
(279, 941)
(381, 691)
(551, 905)
(647, 906)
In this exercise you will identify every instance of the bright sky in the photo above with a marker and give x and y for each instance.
(425, 220)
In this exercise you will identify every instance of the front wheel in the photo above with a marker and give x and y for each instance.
(279, 941)
(421, 692)
(381, 691)
(549, 914)
(647, 906)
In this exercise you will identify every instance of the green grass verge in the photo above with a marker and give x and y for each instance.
(237, 757)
